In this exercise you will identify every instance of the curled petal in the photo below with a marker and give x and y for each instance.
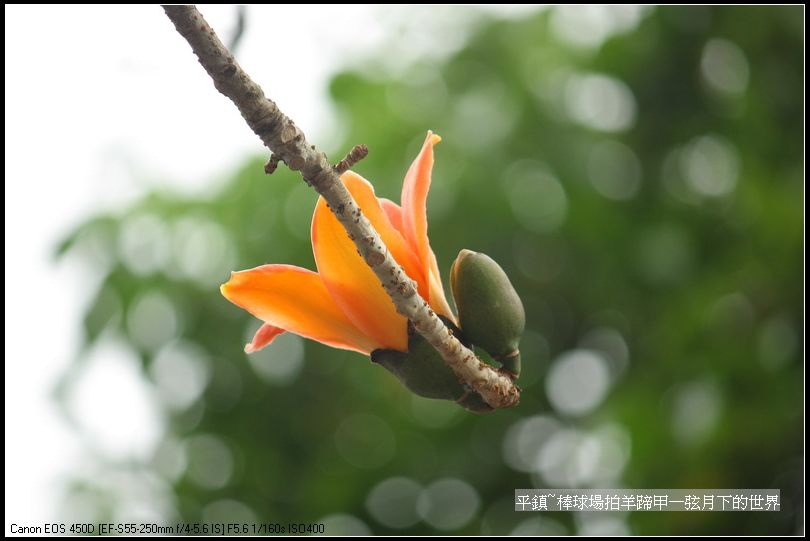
(414, 202)
(438, 300)
(295, 300)
(263, 337)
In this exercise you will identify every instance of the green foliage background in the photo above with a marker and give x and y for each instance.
(701, 282)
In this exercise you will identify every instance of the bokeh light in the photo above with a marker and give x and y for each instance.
(577, 382)
(600, 102)
(393, 502)
(448, 504)
(724, 67)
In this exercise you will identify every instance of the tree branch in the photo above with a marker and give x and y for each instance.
(288, 143)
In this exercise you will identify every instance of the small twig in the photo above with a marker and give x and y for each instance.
(271, 165)
(357, 153)
(239, 29)
(286, 141)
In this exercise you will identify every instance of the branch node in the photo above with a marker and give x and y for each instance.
(272, 164)
(296, 163)
(355, 155)
(375, 258)
(288, 132)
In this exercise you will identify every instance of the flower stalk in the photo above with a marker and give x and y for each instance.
(287, 142)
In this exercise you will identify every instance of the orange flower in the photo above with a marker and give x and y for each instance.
(343, 305)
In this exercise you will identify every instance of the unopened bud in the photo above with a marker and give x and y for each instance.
(490, 312)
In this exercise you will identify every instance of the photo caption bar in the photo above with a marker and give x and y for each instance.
(646, 500)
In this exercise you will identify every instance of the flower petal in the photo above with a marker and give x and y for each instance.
(438, 300)
(263, 337)
(414, 202)
(394, 213)
(296, 300)
(363, 193)
(353, 285)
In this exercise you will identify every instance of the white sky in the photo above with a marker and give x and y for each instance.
(103, 102)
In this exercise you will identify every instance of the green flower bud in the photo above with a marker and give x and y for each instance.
(423, 371)
(489, 310)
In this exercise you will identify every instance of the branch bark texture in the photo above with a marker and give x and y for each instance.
(280, 134)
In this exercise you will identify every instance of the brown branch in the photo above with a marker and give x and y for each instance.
(288, 143)
(239, 28)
